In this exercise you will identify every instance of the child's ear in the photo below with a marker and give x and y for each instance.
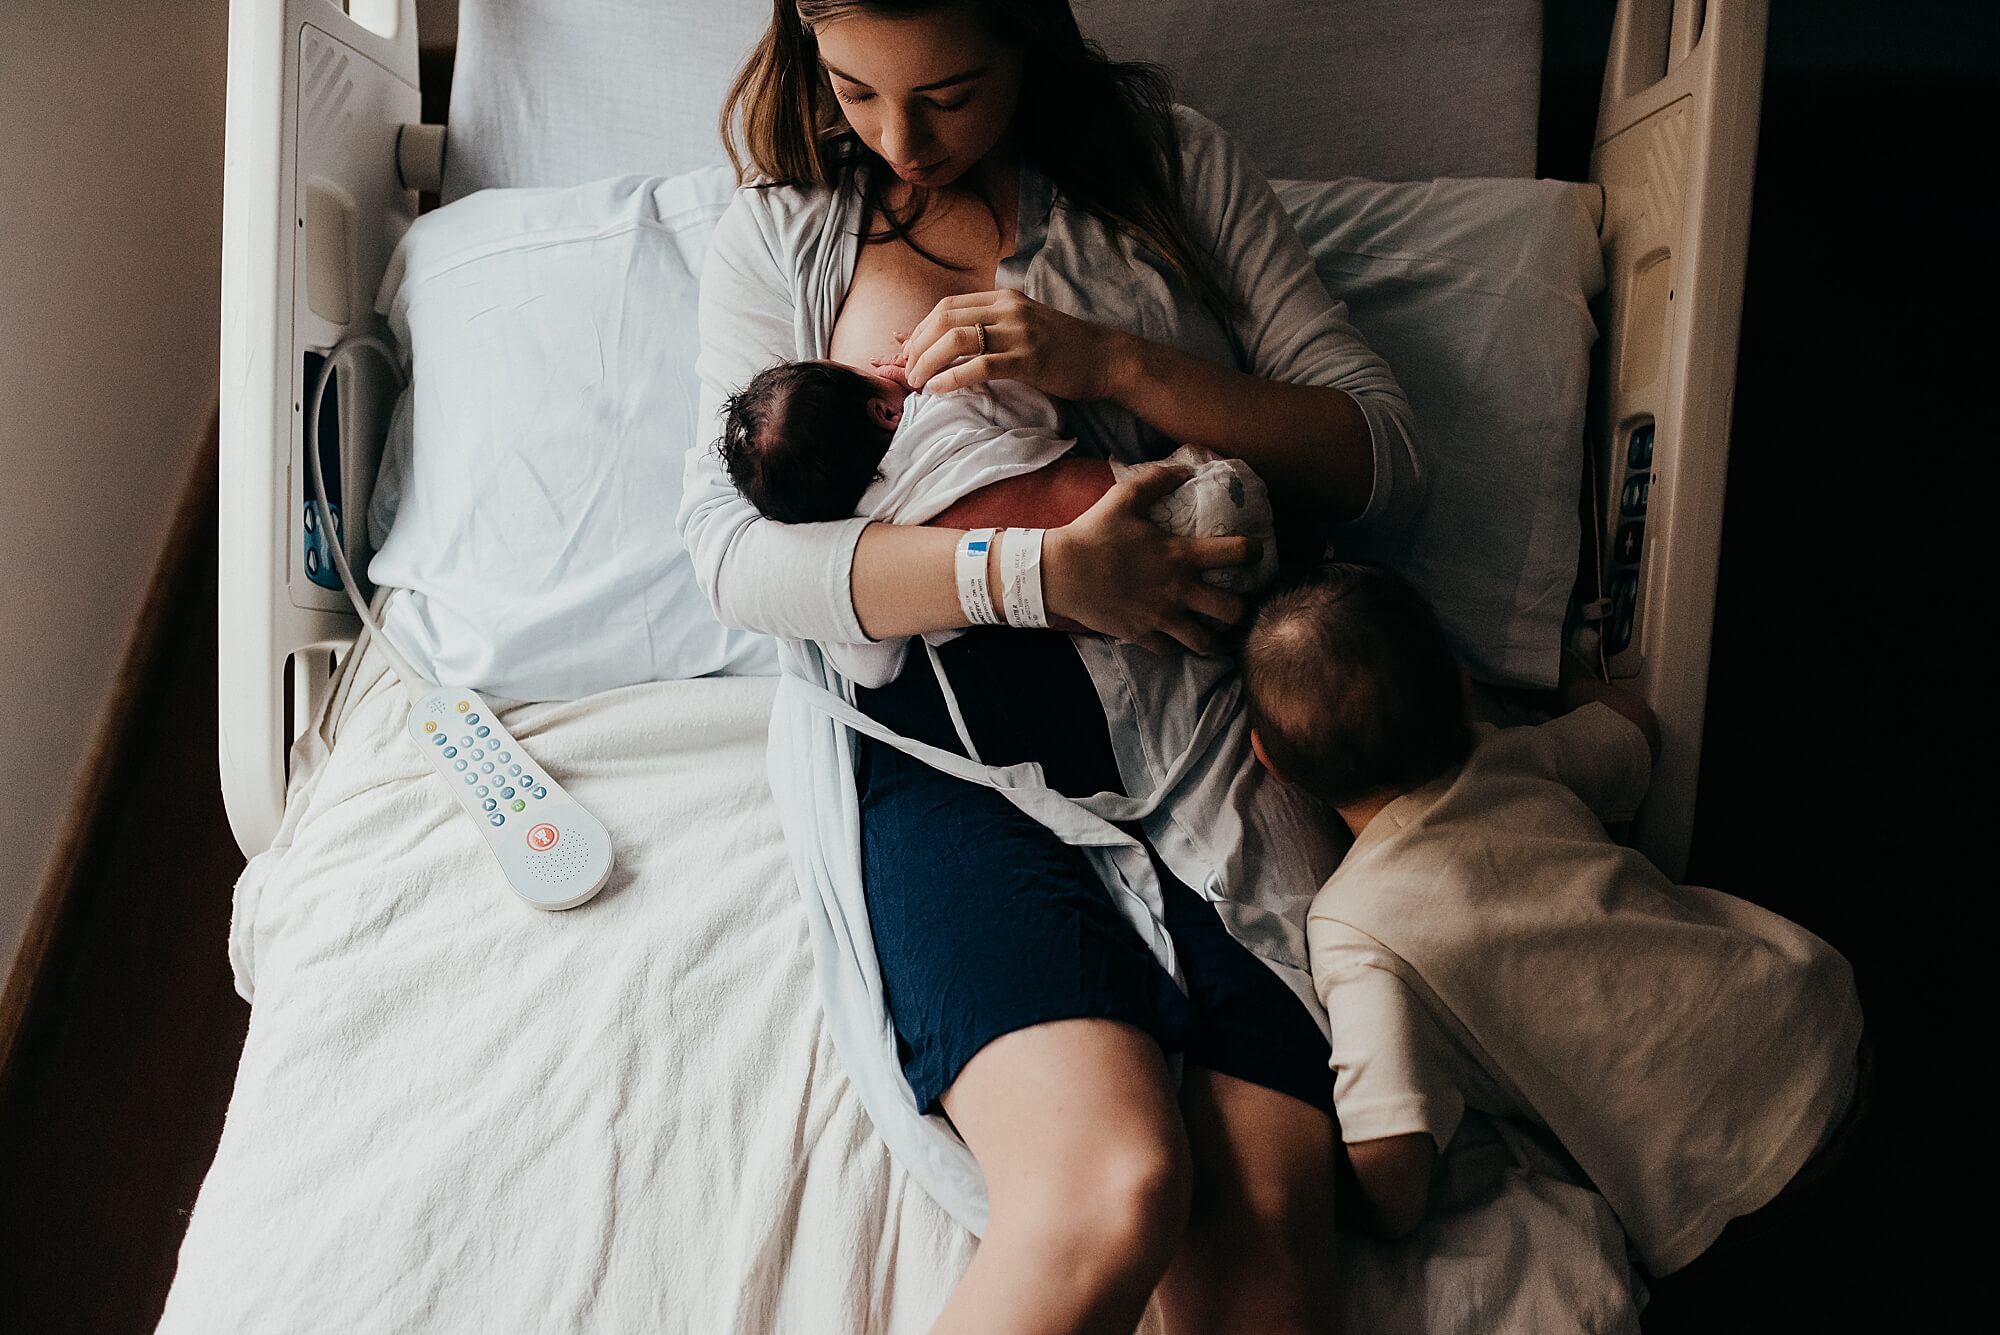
(1263, 758)
(884, 414)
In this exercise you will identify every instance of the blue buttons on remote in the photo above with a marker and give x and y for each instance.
(438, 740)
(471, 779)
(481, 790)
(486, 768)
(506, 792)
(484, 732)
(472, 718)
(513, 769)
(450, 751)
(458, 764)
(527, 781)
(541, 792)
(465, 740)
(488, 805)
(505, 756)
(496, 819)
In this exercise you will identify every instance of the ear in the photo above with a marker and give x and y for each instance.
(1263, 757)
(884, 414)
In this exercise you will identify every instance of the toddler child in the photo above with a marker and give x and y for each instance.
(1484, 944)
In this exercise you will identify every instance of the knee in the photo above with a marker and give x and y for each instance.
(1119, 1216)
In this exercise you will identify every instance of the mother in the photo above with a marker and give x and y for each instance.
(974, 173)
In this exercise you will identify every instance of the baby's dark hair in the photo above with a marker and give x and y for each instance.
(1353, 687)
(797, 441)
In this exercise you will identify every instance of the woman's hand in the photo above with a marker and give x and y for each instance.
(1113, 570)
(1025, 340)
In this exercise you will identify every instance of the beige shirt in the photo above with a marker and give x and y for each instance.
(1486, 945)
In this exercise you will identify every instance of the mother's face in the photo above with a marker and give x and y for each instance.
(930, 94)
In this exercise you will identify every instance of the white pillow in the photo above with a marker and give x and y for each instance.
(1476, 292)
(527, 493)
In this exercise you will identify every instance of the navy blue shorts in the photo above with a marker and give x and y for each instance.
(985, 922)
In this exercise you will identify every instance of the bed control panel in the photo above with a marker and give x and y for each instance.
(1628, 538)
(555, 854)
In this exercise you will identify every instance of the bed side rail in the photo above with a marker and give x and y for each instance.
(313, 204)
(1675, 152)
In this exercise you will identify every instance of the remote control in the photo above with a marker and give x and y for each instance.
(556, 855)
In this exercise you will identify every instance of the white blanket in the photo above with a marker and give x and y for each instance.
(457, 1113)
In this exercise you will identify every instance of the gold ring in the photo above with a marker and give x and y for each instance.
(980, 330)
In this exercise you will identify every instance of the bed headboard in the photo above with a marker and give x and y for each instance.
(557, 92)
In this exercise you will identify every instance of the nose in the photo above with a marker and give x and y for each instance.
(904, 139)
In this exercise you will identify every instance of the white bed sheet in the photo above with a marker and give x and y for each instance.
(454, 1112)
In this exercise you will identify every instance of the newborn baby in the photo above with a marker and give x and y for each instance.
(808, 441)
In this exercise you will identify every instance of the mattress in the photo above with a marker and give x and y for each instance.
(454, 1112)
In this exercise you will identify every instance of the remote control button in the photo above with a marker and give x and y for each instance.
(506, 756)
(506, 792)
(472, 718)
(481, 791)
(496, 819)
(458, 764)
(486, 768)
(475, 754)
(541, 792)
(484, 732)
(543, 837)
(465, 740)
(449, 752)
(527, 781)
(438, 740)
(519, 805)
(430, 726)
(488, 805)
(513, 769)
(471, 779)
(464, 705)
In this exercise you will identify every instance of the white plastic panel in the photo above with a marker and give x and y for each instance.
(1676, 155)
(313, 96)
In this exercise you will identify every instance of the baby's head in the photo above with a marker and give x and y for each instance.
(803, 440)
(1354, 691)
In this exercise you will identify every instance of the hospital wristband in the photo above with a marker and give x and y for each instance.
(1021, 578)
(975, 591)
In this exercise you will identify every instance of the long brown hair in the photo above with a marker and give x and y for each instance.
(1101, 130)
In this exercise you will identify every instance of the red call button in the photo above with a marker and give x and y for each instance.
(543, 837)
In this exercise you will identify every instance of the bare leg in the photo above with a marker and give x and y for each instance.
(1259, 1250)
(1075, 1126)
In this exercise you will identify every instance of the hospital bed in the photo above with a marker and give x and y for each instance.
(453, 1112)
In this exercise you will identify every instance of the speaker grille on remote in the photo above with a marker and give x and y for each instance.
(572, 855)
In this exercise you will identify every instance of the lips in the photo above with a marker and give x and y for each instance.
(916, 175)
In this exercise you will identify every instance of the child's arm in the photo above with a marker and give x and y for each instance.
(1394, 1177)
(1577, 686)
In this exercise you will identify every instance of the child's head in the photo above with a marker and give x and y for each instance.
(803, 440)
(1354, 691)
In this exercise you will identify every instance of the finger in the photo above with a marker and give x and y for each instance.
(1209, 553)
(951, 313)
(949, 347)
(975, 372)
(1216, 604)
(1197, 637)
(1150, 483)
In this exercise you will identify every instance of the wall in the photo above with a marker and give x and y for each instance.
(110, 254)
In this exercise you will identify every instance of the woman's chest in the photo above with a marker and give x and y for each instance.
(893, 286)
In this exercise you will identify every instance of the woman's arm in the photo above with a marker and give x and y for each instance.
(1316, 413)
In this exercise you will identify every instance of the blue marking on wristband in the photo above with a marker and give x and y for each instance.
(975, 546)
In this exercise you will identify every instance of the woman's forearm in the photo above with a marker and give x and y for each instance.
(903, 582)
(1310, 443)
